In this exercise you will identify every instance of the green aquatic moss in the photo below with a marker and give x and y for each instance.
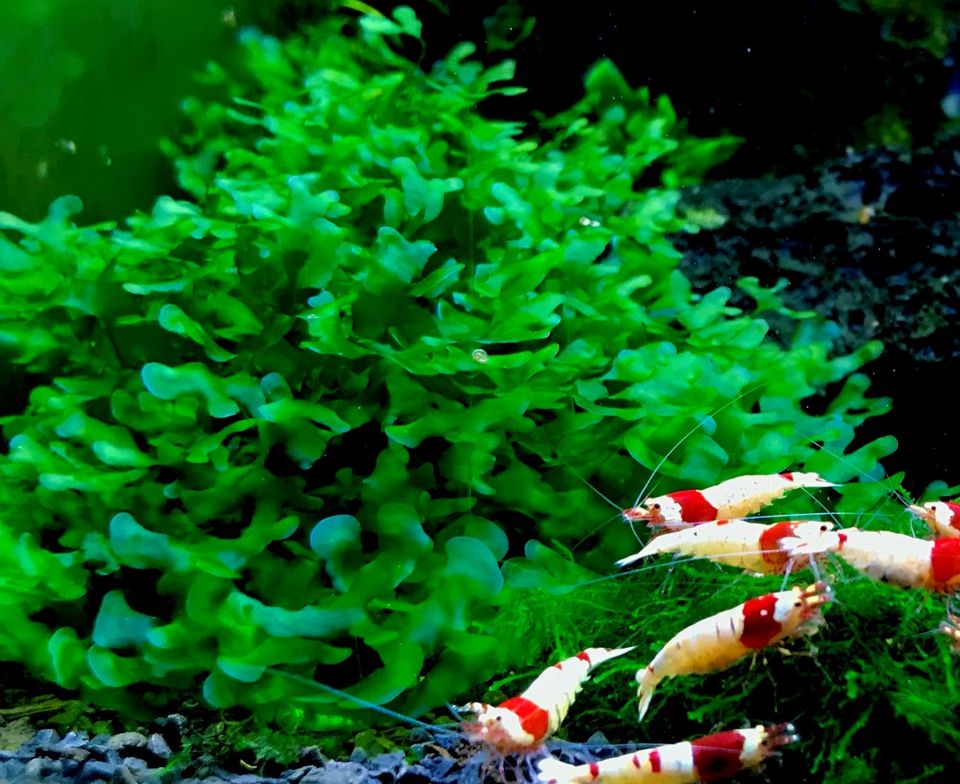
(324, 414)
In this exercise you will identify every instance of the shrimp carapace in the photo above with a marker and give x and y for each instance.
(900, 559)
(522, 723)
(943, 517)
(753, 547)
(734, 498)
(708, 758)
(723, 639)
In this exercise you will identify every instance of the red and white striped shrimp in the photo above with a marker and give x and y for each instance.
(719, 641)
(737, 497)
(753, 547)
(943, 517)
(708, 758)
(522, 723)
(951, 628)
(890, 557)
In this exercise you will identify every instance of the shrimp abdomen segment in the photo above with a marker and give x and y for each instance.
(556, 688)
(745, 495)
(669, 764)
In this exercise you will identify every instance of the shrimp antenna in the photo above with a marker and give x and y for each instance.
(580, 476)
(820, 503)
(594, 531)
(317, 685)
(690, 432)
(859, 471)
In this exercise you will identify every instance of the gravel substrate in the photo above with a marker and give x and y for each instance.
(138, 758)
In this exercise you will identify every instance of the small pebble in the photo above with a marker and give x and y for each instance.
(123, 775)
(74, 739)
(311, 755)
(358, 755)
(96, 770)
(47, 737)
(126, 740)
(415, 774)
(158, 747)
(77, 754)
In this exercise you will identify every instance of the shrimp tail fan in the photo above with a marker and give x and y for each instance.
(810, 479)
(597, 656)
(648, 682)
(652, 548)
(553, 771)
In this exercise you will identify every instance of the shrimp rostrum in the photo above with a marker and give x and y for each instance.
(951, 628)
(737, 497)
(721, 640)
(943, 517)
(753, 547)
(521, 724)
(708, 758)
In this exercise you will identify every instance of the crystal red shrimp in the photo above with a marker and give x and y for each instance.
(521, 724)
(943, 517)
(753, 547)
(890, 557)
(708, 758)
(719, 641)
(734, 498)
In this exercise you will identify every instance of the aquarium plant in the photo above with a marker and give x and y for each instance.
(331, 409)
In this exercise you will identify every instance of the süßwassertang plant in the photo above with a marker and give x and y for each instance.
(319, 414)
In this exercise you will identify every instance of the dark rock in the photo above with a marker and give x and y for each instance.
(123, 775)
(135, 764)
(77, 754)
(300, 774)
(387, 768)
(158, 748)
(43, 767)
(358, 755)
(338, 773)
(171, 728)
(71, 767)
(96, 770)
(27, 751)
(415, 774)
(74, 739)
(437, 766)
(311, 755)
(44, 739)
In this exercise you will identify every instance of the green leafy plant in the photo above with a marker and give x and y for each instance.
(319, 415)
